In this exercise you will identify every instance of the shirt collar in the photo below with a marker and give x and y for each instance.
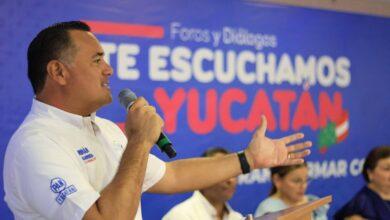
(207, 205)
(41, 108)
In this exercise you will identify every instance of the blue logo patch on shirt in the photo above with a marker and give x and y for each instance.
(86, 155)
(58, 186)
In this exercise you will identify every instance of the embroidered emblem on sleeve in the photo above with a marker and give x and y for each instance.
(58, 186)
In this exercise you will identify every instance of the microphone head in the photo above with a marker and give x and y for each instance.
(126, 98)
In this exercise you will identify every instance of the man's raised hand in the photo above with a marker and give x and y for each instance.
(265, 152)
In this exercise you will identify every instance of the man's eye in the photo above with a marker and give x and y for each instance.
(97, 60)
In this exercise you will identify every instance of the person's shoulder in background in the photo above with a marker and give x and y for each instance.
(361, 202)
(270, 204)
(180, 211)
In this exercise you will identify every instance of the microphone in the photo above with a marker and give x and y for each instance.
(126, 99)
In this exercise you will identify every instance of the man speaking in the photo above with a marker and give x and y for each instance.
(64, 162)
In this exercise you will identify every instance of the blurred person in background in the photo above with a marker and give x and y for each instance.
(289, 184)
(373, 200)
(209, 203)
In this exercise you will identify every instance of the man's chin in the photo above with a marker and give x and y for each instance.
(106, 101)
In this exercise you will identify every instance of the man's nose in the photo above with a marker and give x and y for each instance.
(108, 70)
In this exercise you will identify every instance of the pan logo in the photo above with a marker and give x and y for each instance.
(58, 186)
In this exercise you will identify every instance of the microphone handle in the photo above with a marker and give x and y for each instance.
(165, 146)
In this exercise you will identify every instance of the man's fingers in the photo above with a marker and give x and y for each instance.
(263, 126)
(139, 102)
(292, 138)
(293, 162)
(298, 155)
(299, 146)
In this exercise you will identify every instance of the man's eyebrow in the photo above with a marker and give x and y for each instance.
(98, 54)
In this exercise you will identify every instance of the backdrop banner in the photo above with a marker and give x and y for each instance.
(212, 68)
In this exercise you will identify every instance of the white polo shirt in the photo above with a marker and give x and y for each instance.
(198, 207)
(56, 164)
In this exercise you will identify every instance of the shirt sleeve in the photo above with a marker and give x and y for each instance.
(155, 170)
(50, 181)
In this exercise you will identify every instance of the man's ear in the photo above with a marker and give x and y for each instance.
(57, 72)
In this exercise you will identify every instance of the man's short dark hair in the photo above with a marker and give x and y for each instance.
(53, 42)
(214, 150)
